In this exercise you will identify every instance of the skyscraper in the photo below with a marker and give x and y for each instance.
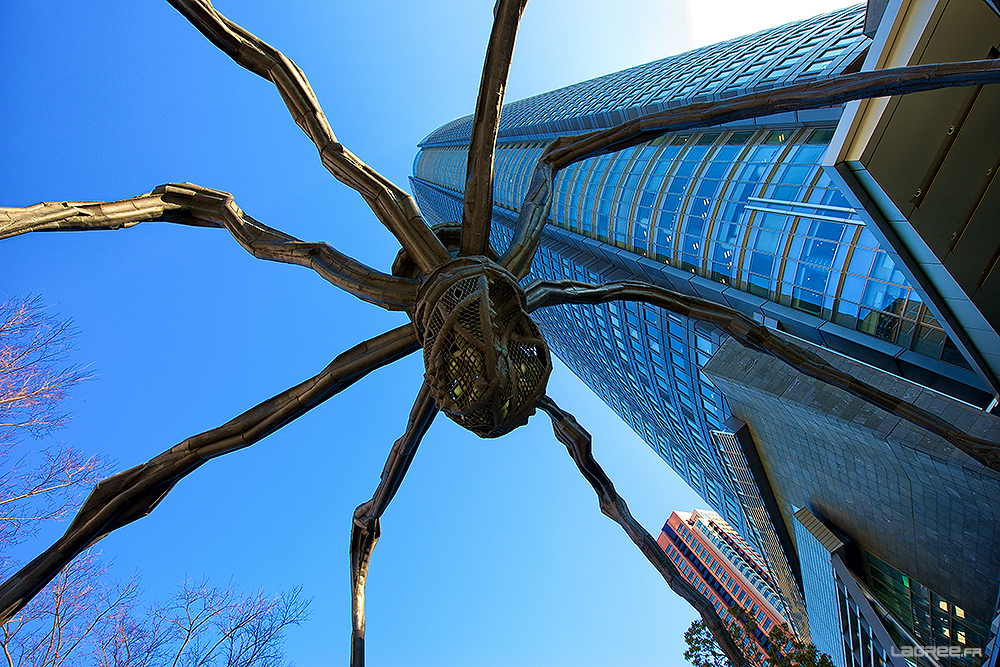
(745, 216)
(727, 571)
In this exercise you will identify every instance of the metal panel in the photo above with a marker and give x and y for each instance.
(922, 167)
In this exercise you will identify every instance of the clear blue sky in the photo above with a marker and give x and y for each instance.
(494, 552)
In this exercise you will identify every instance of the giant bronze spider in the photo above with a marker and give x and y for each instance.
(486, 361)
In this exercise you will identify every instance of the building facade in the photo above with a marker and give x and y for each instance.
(745, 215)
(897, 623)
(728, 572)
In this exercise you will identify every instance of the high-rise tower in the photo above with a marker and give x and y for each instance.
(726, 571)
(744, 215)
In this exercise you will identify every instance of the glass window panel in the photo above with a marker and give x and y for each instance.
(885, 269)
(761, 263)
(807, 154)
(767, 241)
(819, 252)
(822, 136)
(867, 239)
(831, 231)
(861, 261)
(882, 296)
(811, 278)
(777, 137)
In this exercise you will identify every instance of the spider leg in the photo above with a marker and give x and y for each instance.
(194, 205)
(756, 336)
(477, 209)
(814, 95)
(392, 205)
(578, 443)
(801, 97)
(531, 219)
(134, 493)
(365, 529)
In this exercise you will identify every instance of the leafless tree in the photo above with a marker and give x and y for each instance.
(33, 379)
(62, 622)
(83, 616)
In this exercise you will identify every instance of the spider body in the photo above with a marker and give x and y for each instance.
(486, 360)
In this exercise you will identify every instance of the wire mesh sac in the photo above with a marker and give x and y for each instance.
(486, 361)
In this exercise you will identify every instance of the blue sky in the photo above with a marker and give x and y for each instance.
(493, 552)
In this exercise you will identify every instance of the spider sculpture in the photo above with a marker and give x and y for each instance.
(486, 360)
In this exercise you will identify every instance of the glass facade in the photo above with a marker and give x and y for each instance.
(861, 643)
(794, 53)
(746, 209)
(738, 470)
(819, 584)
(930, 618)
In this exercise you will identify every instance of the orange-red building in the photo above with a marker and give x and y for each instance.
(726, 570)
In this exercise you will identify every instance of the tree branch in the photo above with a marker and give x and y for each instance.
(132, 494)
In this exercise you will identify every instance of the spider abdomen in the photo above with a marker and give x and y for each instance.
(486, 361)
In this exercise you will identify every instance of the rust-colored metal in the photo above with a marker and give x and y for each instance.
(486, 361)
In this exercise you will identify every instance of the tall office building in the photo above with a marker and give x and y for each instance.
(727, 571)
(745, 215)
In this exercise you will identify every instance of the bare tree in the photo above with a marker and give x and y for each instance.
(62, 622)
(83, 616)
(33, 382)
(205, 625)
